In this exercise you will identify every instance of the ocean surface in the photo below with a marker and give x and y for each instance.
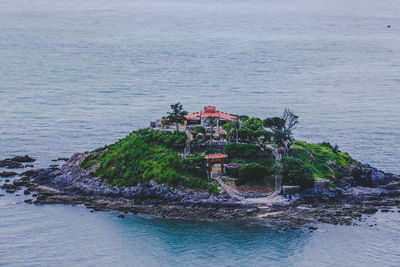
(76, 75)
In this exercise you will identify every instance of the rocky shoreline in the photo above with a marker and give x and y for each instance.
(74, 185)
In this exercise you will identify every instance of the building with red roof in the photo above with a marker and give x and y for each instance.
(209, 111)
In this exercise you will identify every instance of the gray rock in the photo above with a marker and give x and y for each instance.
(7, 174)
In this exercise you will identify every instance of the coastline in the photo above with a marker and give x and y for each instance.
(73, 185)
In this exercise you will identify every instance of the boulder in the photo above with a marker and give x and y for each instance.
(8, 186)
(25, 158)
(347, 181)
(29, 173)
(8, 174)
(7, 163)
(372, 177)
(355, 170)
(19, 182)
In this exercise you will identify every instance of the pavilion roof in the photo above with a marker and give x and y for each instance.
(216, 156)
(210, 111)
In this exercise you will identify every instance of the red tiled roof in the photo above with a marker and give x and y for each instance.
(210, 111)
(216, 156)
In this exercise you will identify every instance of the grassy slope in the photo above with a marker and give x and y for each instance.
(316, 156)
(144, 155)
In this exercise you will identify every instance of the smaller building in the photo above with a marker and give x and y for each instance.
(215, 164)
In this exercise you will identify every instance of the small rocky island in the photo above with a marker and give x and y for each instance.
(211, 165)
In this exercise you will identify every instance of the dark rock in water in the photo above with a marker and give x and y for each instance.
(29, 201)
(121, 216)
(2, 195)
(7, 180)
(60, 159)
(25, 158)
(29, 166)
(19, 182)
(15, 162)
(366, 175)
(8, 186)
(312, 228)
(11, 190)
(7, 163)
(373, 177)
(7, 174)
(29, 173)
(27, 192)
(370, 210)
(54, 166)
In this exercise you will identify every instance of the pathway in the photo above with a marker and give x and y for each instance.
(262, 202)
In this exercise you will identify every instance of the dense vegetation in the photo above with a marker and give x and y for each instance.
(307, 162)
(258, 164)
(265, 147)
(145, 155)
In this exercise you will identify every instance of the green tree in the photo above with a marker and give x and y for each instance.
(252, 172)
(232, 129)
(253, 124)
(177, 115)
(297, 172)
(199, 129)
(236, 124)
(282, 127)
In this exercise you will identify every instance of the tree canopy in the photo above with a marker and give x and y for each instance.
(177, 115)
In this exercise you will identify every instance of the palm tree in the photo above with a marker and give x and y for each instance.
(232, 129)
(212, 122)
(236, 125)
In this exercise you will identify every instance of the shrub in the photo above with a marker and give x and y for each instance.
(252, 172)
(316, 157)
(245, 151)
(195, 165)
(253, 124)
(297, 172)
(199, 129)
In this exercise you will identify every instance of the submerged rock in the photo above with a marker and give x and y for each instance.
(8, 174)
(25, 158)
(15, 162)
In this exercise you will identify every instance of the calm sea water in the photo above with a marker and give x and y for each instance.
(75, 75)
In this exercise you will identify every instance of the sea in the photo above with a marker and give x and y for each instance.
(76, 75)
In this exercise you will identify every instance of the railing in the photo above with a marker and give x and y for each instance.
(216, 147)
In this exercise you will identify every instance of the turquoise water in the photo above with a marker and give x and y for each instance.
(75, 75)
